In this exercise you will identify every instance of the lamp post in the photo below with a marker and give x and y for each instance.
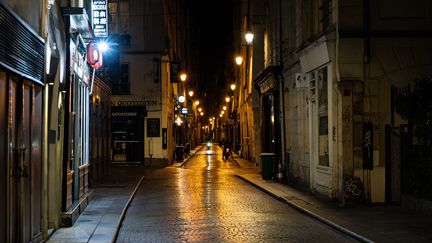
(249, 36)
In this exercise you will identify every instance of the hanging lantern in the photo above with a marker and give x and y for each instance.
(94, 55)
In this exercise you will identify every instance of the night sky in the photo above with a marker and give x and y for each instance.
(212, 34)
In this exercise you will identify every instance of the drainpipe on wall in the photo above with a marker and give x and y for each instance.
(284, 154)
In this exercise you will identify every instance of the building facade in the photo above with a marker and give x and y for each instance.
(335, 68)
(141, 102)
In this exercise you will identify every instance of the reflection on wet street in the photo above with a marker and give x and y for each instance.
(205, 202)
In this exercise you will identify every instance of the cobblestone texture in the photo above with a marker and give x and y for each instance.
(205, 202)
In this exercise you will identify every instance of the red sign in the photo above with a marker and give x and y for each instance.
(94, 55)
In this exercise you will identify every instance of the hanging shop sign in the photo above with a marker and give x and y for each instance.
(266, 81)
(100, 18)
(94, 55)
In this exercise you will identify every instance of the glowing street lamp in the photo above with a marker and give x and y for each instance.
(199, 109)
(201, 113)
(239, 60)
(191, 93)
(233, 86)
(227, 99)
(197, 102)
(103, 46)
(224, 108)
(183, 76)
(249, 37)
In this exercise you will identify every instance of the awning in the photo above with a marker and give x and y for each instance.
(267, 80)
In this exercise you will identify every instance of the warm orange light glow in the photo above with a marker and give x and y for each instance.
(197, 102)
(191, 93)
(183, 76)
(239, 60)
(199, 109)
(227, 99)
(224, 107)
(233, 86)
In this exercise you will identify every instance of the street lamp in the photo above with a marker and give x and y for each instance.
(224, 108)
(239, 60)
(199, 109)
(233, 86)
(183, 76)
(197, 102)
(227, 99)
(249, 37)
(103, 46)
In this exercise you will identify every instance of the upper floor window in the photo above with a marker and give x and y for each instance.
(122, 85)
(119, 16)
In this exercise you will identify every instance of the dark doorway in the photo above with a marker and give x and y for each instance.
(128, 134)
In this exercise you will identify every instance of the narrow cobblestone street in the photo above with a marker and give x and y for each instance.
(204, 202)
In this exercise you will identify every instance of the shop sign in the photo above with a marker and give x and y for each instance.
(268, 85)
(301, 81)
(78, 63)
(94, 55)
(150, 104)
(100, 18)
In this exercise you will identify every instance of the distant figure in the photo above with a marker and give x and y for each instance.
(226, 149)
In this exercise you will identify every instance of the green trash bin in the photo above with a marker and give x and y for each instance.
(267, 160)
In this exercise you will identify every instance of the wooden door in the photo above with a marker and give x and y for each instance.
(25, 159)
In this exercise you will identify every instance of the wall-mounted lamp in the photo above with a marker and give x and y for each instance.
(249, 37)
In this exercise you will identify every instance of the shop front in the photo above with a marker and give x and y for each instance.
(267, 84)
(127, 134)
(76, 192)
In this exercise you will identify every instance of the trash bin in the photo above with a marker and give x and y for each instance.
(267, 160)
(179, 153)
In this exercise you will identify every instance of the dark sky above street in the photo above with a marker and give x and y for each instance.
(212, 32)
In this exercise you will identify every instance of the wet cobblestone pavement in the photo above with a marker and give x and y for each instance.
(205, 202)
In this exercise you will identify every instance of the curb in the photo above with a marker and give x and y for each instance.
(310, 213)
(186, 160)
(126, 207)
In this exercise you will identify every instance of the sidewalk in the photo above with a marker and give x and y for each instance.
(366, 223)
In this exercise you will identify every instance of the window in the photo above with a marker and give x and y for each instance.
(122, 86)
(119, 16)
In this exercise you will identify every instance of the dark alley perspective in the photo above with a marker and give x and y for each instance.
(215, 121)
